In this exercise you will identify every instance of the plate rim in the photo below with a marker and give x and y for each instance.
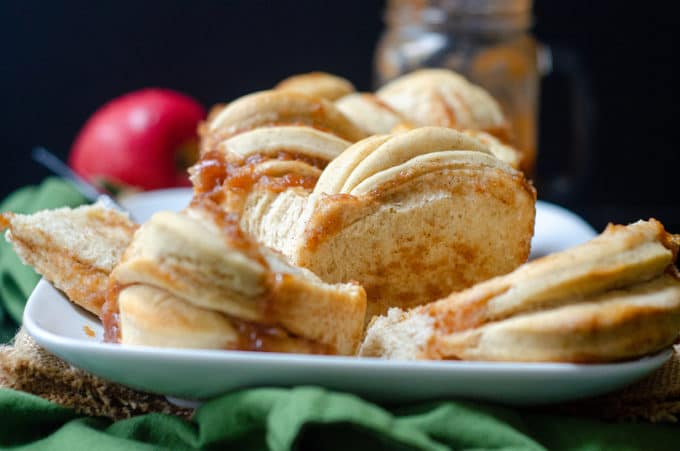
(43, 335)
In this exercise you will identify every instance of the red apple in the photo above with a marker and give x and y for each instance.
(146, 139)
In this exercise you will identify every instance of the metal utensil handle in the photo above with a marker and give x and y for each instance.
(54, 164)
(91, 192)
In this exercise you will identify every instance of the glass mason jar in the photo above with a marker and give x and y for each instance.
(487, 41)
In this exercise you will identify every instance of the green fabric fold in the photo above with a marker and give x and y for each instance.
(303, 418)
(310, 418)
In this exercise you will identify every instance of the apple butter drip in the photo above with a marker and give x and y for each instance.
(503, 133)
(228, 182)
(329, 218)
(4, 220)
(230, 228)
(317, 117)
(672, 243)
(267, 338)
(110, 314)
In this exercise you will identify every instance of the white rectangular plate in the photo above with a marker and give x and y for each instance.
(61, 328)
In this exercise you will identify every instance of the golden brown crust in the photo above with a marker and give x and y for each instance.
(371, 114)
(186, 326)
(317, 84)
(618, 325)
(275, 108)
(444, 98)
(609, 299)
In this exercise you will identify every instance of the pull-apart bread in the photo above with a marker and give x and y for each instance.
(189, 279)
(410, 216)
(444, 98)
(365, 110)
(193, 279)
(616, 297)
(276, 108)
(432, 97)
(447, 99)
(75, 249)
(317, 84)
(371, 114)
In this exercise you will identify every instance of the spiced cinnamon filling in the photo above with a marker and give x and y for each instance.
(214, 176)
(229, 226)
(264, 338)
(110, 315)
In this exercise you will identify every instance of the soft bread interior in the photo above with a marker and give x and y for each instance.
(278, 220)
(75, 249)
(434, 233)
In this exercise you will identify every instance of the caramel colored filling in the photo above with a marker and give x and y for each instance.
(251, 336)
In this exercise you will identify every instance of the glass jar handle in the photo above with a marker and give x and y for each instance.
(570, 180)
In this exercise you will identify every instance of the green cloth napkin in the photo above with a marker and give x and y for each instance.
(17, 280)
(309, 418)
(304, 418)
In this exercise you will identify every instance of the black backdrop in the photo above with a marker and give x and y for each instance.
(61, 60)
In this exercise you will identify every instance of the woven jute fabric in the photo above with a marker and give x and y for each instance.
(25, 366)
(655, 398)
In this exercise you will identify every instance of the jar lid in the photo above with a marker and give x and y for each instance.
(504, 13)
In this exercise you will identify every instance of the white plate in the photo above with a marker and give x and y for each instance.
(62, 328)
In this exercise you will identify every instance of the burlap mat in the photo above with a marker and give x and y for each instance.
(26, 366)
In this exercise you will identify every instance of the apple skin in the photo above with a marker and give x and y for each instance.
(139, 139)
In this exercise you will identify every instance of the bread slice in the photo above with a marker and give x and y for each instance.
(621, 324)
(269, 141)
(499, 149)
(317, 84)
(371, 114)
(199, 261)
(276, 108)
(266, 159)
(411, 216)
(75, 249)
(444, 98)
(613, 298)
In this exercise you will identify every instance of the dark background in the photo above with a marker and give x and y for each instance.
(61, 60)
